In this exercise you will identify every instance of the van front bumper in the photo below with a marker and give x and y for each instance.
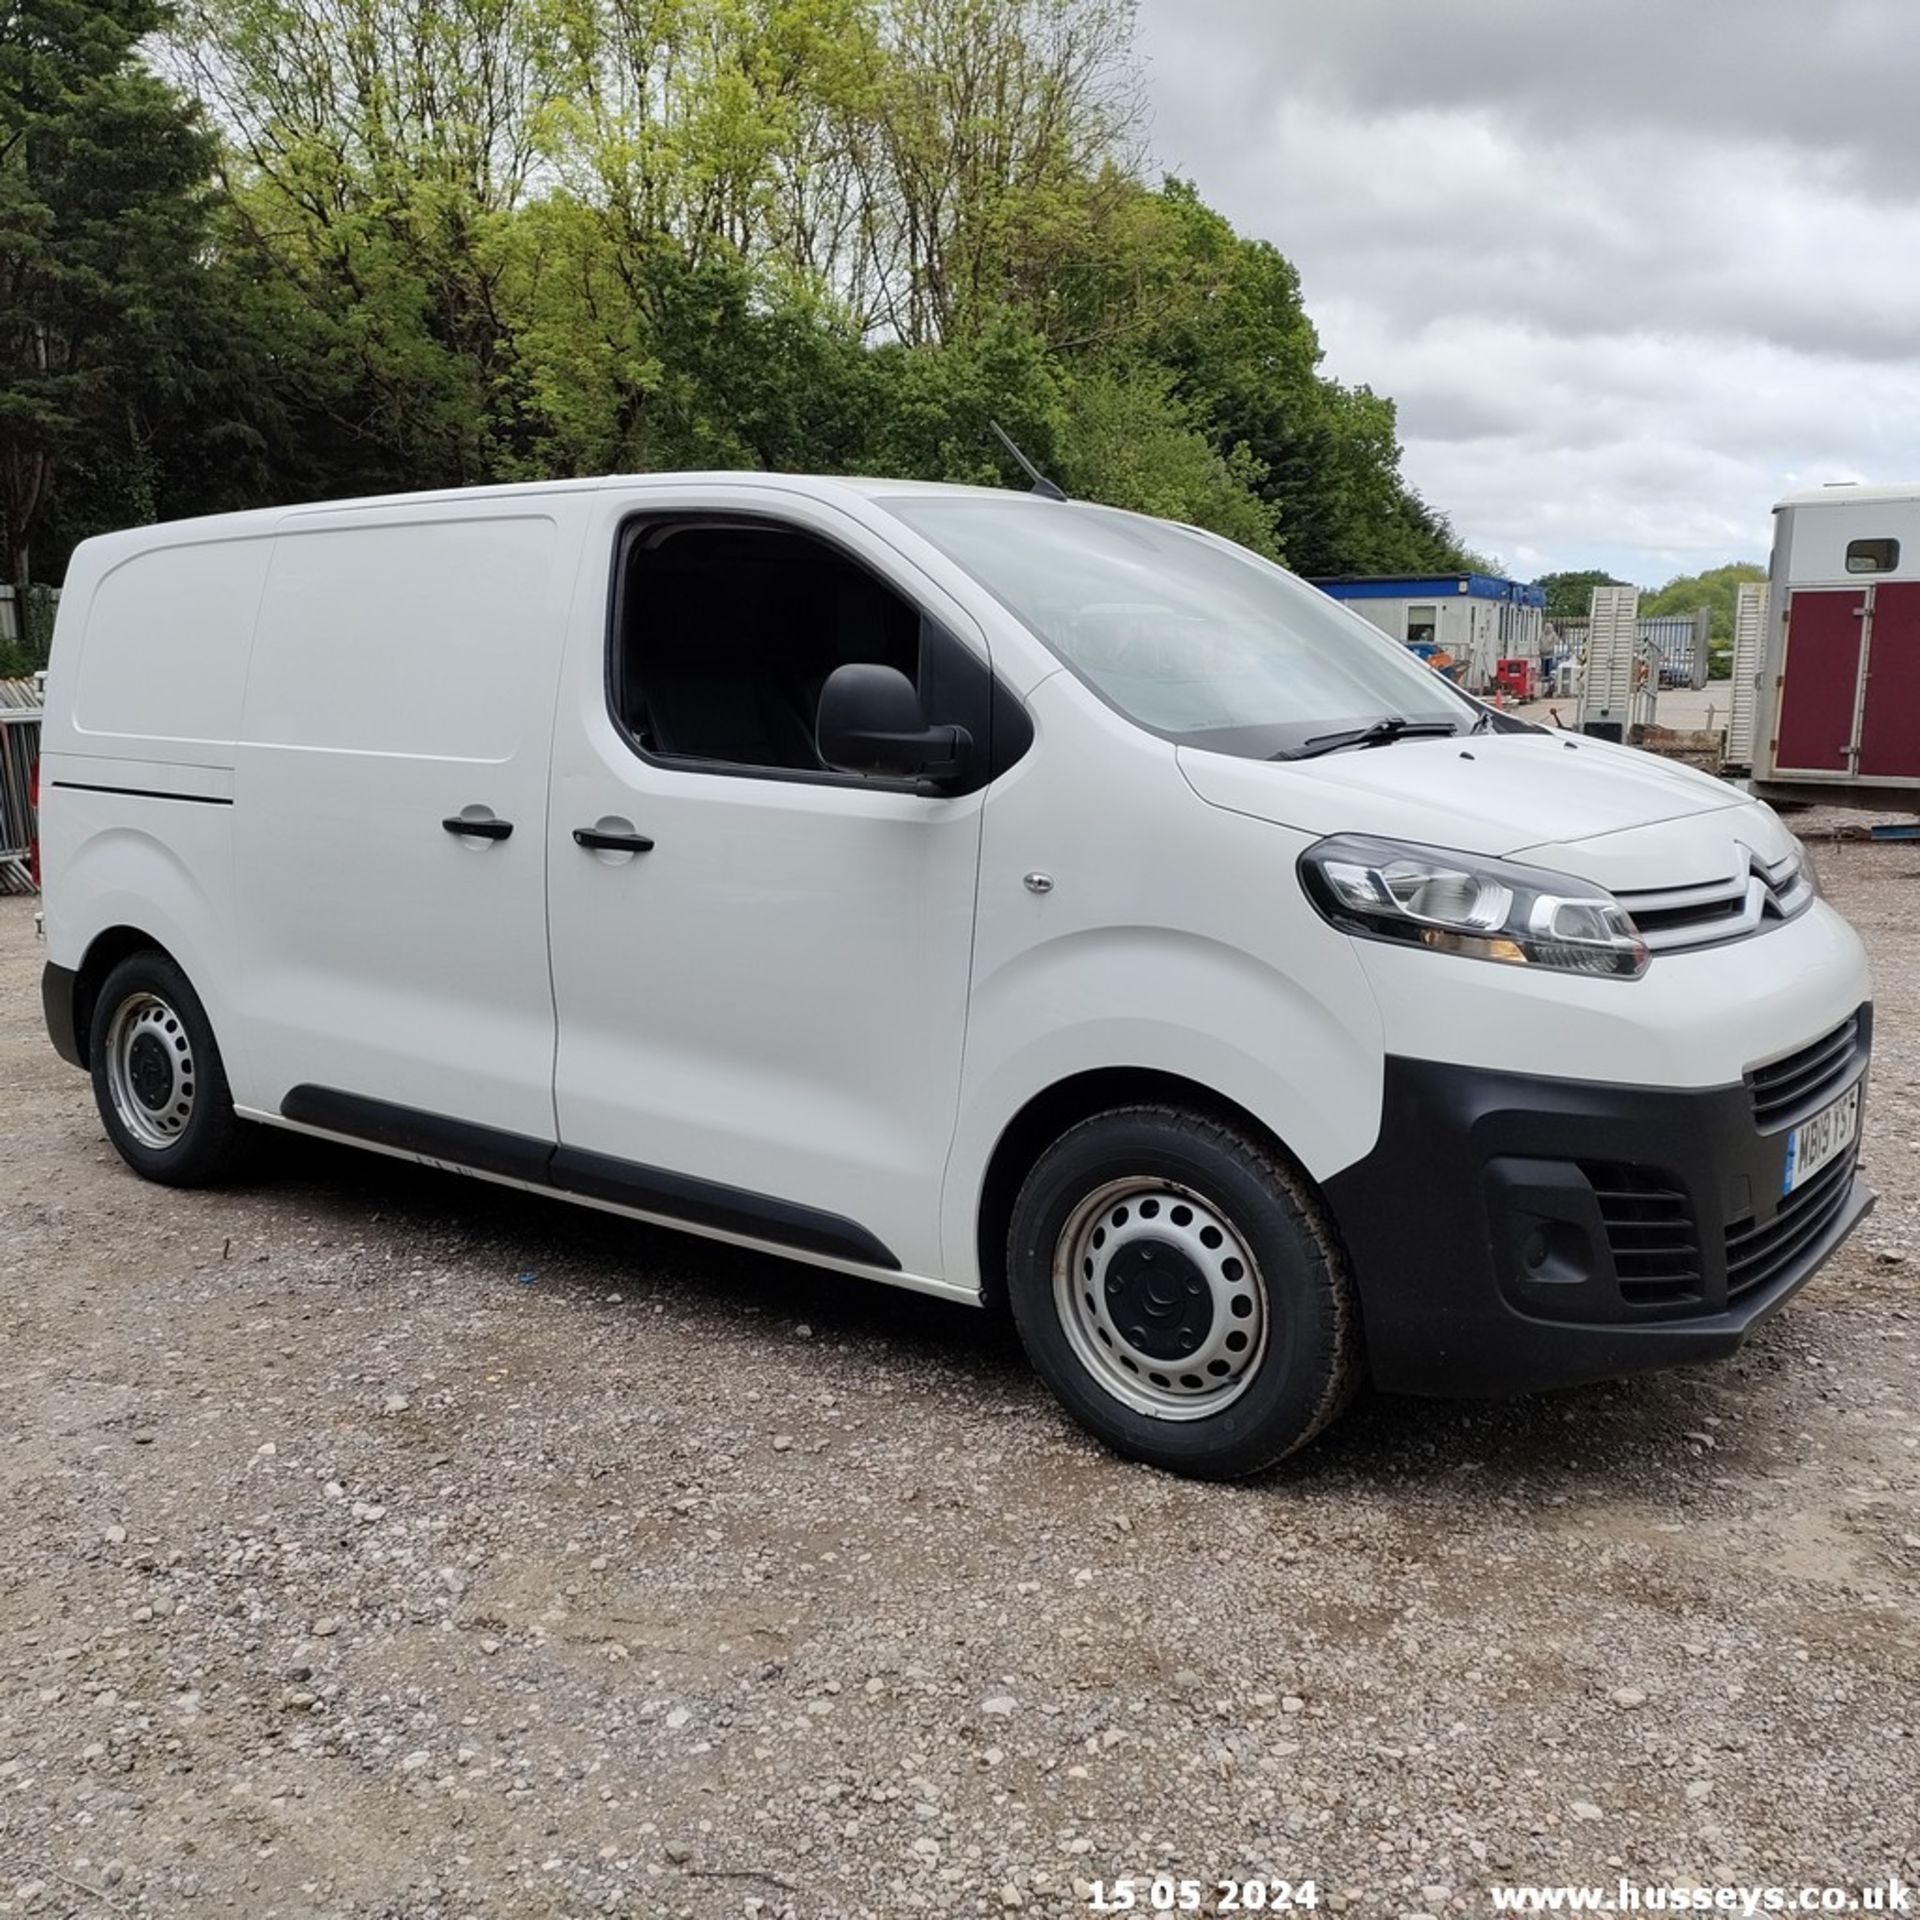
(1512, 1232)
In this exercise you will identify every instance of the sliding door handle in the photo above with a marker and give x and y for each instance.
(596, 840)
(486, 829)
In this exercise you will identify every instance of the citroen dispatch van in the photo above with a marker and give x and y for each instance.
(1016, 900)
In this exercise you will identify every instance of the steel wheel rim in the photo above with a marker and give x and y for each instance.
(151, 1075)
(1125, 1272)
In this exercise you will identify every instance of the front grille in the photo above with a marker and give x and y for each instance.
(1761, 894)
(1650, 1233)
(1759, 1251)
(1790, 1090)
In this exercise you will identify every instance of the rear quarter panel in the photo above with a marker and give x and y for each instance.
(136, 779)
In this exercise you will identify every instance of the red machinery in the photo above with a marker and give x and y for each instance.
(1517, 679)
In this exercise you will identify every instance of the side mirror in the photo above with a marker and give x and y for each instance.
(870, 721)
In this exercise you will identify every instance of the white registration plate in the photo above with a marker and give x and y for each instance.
(1813, 1143)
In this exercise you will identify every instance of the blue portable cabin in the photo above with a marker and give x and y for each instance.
(1478, 619)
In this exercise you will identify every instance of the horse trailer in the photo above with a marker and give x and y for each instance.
(1838, 714)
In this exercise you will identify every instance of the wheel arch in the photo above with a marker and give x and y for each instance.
(1079, 1096)
(104, 952)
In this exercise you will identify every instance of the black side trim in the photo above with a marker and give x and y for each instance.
(145, 793)
(679, 1196)
(457, 1142)
(57, 991)
(593, 1176)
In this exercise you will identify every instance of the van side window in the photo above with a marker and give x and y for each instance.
(725, 634)
(1872, 556)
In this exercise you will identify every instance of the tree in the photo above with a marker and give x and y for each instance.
(449, 241)
(983, 131)
(1716, 589)
(1570, 595)
(1132, 443)
(377, 152)
(102, 215)
(930, 408)
(1169, 282)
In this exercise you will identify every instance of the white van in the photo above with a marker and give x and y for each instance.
(1016, 900)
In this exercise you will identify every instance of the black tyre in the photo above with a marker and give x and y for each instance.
(1178, 1287)
(157, 1077)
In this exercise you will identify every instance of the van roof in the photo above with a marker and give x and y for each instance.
(1851, 493)
(260, 520)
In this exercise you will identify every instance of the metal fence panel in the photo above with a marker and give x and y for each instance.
(19, 751)
(1749, 643)
(11, 624)
(1613, 632)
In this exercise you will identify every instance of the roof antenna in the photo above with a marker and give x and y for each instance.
(1044, 487)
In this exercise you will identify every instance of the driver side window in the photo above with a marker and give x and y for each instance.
(724, 634)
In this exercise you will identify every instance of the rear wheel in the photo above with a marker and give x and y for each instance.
(158, 1079)
(1177, 1285)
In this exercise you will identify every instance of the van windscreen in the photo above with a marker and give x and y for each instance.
(1189, 636)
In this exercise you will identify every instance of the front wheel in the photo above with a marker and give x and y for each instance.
(158, 1079)
(1178, 1287)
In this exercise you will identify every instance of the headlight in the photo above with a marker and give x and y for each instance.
(1460, 903)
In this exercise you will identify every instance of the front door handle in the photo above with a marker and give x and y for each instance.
(488, 829)
(595, 840)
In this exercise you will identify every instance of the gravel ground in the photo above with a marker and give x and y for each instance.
(382, 1544)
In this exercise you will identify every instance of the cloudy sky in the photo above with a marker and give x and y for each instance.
(1631, 268)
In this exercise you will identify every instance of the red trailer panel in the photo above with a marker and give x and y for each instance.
(1814, 725)
(1890, 727)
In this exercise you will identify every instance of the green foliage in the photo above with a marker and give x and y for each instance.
(28, 654)
(103, 172)
(447, 241)
(1716, 589)
(1131, 442)
(1570, 595)
(929, 409)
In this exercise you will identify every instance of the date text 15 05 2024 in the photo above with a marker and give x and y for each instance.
(1164, 1893)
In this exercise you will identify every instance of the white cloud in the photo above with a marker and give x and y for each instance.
(1630, 272)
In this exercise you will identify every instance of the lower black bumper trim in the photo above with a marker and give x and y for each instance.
(1499, 1249)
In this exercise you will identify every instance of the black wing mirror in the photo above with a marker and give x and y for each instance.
(871, 722)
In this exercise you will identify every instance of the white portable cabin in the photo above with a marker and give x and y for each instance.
(1838, 711)
(1477, 619)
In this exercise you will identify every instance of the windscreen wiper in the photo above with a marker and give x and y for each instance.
(1383, 733)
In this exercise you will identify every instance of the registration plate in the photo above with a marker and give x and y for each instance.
(1813, 1143)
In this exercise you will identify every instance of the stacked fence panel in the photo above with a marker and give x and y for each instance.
(1749, 643)
(19, 754)
(1613, 658)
